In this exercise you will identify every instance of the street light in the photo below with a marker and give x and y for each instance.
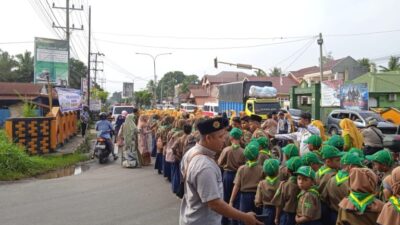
(155, 74)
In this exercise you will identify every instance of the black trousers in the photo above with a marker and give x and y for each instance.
(83, 128)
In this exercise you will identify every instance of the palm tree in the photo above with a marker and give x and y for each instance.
(275, 72)
(367, 63)
(393, 64)
(25, 67)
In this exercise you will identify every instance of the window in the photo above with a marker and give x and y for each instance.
(344, 115)
(392, 97)
(335, 115)
(250, 107)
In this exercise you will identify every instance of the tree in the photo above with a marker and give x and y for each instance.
(24, 72)
(191, 79)
(116, 97)
(275, 72)
(168, 82)
(143, 98)
(99, 94)
(393, 64)
(8, 65)
(326, 58)
(78, 70)
(261, 73)
(367, 63)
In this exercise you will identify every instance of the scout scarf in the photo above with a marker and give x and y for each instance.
(361, 200)
(312, 190)
(271, 180)
(395, 202)
(251, 163)
(235, 146)
(265, 151)
(323, 170)
(341, 177)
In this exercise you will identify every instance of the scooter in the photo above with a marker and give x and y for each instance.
(101, 151)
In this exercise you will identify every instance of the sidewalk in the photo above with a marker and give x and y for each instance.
(74, 143)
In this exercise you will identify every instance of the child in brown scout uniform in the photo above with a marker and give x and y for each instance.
(264, 152)
(312, 159)
(255, 126)
(314, 143)
(382, 163)
(247, 178)
(361, 206)
(266, 190)
(331, 157)
(335, 141)
(285, 198)
(308, 210)
(288, 151)
(391, 210)
(337, 187)
(177, 150)
(230, 160)
(246, 137)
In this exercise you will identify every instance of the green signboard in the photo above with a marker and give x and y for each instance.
(51, 59)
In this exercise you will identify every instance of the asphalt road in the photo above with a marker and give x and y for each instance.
(103, 195)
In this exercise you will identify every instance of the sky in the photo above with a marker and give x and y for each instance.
(263, 33)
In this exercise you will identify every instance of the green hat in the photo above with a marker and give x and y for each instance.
(291, 150)
(306, 171)
(384, 157)
(263, 142)
(335, 141)
(251, 151)
(328, 151)
(314, 140)
(357, 152)
(271, 167)
(293, 163)
(310, 158)
(236, 133)
(351, 159)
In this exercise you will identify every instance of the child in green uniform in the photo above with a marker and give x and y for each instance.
(230, 160)
(247, 178)
(311, 159)
(264, 152)
(308, 210)
(289, 151)
(361, 206)
(391, 210)
(382, 162)
(285, 199)
(331, 157)
(337, 187)
(314, 143)
(266, 190)
(335, 141)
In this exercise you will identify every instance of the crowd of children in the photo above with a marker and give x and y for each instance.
(330, 183)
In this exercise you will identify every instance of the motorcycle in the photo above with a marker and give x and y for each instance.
(101, 151)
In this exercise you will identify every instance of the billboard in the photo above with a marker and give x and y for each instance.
(51, 59)
(127, 90)
(330, 93)
(354, 96)
(69, 99)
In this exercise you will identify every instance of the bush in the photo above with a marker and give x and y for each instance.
(12, 157)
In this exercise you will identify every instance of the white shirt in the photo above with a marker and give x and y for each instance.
(301, 135)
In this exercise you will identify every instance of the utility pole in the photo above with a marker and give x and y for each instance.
(88, 72)
(68, 28)
(95, 64)
(320, 41)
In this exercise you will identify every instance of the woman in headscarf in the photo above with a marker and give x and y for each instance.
(145, 140)
(351, 135)
(289, 118)
(361, 207)
(129, 135)
(318, 124)
(391, 210)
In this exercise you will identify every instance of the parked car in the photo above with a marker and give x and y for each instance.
(210, 109)
(187, 107)
(168, 106)
(117, 110)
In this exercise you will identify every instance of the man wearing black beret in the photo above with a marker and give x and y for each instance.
(255, 126)
(202, 201)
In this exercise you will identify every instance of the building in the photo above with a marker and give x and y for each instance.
(383, 88)
(345, 68)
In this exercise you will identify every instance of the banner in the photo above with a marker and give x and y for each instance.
(127, 90)
(51, 60)
(69, 99)
(330, 93)
(354, 96)
(95, 104)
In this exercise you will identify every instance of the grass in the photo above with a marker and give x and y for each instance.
(15, 164)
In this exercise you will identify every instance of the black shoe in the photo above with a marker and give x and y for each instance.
(115, 157)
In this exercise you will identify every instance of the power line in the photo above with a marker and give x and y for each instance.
(294, 53)
(122, 70)
(202, 48)
(362, 34)
(16, 42)
(304, 50)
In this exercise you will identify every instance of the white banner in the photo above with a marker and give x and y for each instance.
(330, 93)
(95, 105)
(69, 99)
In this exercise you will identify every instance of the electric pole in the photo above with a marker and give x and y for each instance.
(89, 40)
(68, 28)
(320, 41)
(95, 64)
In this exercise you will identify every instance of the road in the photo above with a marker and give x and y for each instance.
(103, 195)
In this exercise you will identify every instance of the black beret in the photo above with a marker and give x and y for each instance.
(245, 118)
(236, 119)
(256, 118)
(212, 125)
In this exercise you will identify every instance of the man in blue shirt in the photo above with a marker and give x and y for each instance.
(104, 128)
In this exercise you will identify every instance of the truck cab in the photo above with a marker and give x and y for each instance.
(261, 107)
